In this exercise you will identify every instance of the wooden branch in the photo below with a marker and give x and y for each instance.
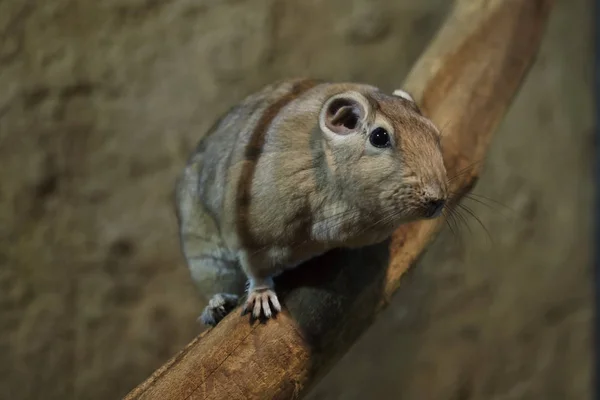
(465, 82)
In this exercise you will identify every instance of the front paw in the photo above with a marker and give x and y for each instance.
(258, 302)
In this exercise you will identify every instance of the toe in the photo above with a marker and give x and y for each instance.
(275, 301)
(249, 306)
(266, 307)
(207, 318)
(216, 301)
(257, 306)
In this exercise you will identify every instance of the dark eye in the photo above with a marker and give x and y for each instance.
(380, 138)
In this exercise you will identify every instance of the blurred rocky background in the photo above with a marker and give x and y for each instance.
(100, 104)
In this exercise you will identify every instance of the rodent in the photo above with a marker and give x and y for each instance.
(295, 169)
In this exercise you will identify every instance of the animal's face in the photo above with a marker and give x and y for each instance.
(385, 156)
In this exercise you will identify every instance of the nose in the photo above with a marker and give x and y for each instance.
(434, 207)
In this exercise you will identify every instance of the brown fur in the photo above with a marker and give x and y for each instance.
(290, 173)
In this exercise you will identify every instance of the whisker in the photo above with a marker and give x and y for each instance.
(478, 201)
(479, 196)
(443, 128)
(464, 170)
(458, 175)
(489, 206)
(447, 220)
(472, 214)
(463, 219)
(385, 219)
(453, 221)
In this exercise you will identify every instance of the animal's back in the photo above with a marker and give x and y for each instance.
(228, 143)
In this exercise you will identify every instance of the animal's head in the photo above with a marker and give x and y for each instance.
(384, 155)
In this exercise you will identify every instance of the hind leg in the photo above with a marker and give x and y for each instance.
(213, 268)
(218, 307)
(220, 283)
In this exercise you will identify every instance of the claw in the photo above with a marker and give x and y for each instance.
(265, 306)
(275, 302)
(258, 302)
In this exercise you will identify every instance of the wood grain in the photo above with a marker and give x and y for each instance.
(464, 81)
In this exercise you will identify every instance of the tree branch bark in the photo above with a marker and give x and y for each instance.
(464, 82)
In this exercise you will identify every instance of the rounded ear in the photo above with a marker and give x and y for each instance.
(343, 114)
(403, 94)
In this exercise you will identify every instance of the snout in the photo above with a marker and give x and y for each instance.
(433, 207)
(433, 200)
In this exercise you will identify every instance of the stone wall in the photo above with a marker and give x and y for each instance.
(100, 104)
